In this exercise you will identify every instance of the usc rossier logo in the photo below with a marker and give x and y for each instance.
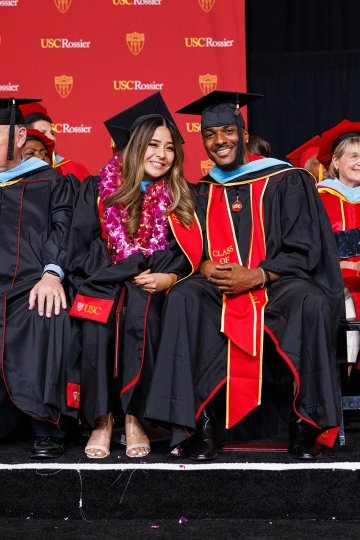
(137, 85)
(63, 43)
(63, 5)
(200, 42)
(63, 85)
(193, 127)
(67, 128)
(205, 166)
(137, 2)
(135, 42)
(208, 83)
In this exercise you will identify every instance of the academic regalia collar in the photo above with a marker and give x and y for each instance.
(350, 193)
(29, 165)
(222, 177)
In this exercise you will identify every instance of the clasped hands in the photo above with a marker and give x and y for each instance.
(231, 278)
(153, 282)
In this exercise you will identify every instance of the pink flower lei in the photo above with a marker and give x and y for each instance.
(153, 227)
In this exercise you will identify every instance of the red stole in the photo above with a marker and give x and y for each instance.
(344, 215)
(243, 315)
(189, 239)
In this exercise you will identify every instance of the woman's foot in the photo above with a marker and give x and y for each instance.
(137, 442)
(98, 446)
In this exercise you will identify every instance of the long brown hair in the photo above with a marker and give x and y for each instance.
(129, 193)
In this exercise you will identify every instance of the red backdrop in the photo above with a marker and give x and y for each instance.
(89, 59)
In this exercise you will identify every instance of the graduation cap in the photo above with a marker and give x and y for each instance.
(300, 155)
(331, 138)
(122, 125)
(220, 108)
(40, 136)
(33, 111)
(10, 115)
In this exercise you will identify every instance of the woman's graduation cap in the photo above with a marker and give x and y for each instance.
(40, 136)
(331, 138)
(10, 115)
(220, 108)
(34, 111)
(123, 124)
(300, 155)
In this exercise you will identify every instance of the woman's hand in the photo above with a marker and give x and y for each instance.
(154, 282)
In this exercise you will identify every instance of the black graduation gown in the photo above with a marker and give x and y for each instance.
(92, 274)
(301, 316)
(35, 218)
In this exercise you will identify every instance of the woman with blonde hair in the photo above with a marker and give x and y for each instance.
(131, 239)
(340, 193)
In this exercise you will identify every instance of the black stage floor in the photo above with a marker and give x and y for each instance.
(240, 495)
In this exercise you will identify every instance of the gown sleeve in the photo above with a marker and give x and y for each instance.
(299, 239)
(60, 215)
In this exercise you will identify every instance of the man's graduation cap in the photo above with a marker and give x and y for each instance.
(220, 108)
(122, 125)
(331, 138)
(10, 115)
(300, 155)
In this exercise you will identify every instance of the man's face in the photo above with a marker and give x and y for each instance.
(221, 144)
(20, 136)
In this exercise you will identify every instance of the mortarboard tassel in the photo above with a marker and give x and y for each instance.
(10, 152)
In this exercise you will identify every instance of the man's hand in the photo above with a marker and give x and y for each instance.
(154, 282)
(232, 278)
(49, 295)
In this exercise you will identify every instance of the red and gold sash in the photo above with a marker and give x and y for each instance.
(189, 239)
(343, 215)
(243, 315)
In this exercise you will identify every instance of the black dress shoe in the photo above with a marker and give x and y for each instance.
(302, 441)
(202, 446)
(47, 448)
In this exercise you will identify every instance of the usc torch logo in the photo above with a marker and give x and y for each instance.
(208, 83)
(135, 42)
(206, 165)
(63, 85)
(63, 5)
(206, 5)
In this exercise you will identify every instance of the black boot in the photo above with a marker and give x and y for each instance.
(302, 440)
(202, 444)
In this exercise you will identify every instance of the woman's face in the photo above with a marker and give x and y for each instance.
(160, 154)
(349, 165)
(35, 148)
